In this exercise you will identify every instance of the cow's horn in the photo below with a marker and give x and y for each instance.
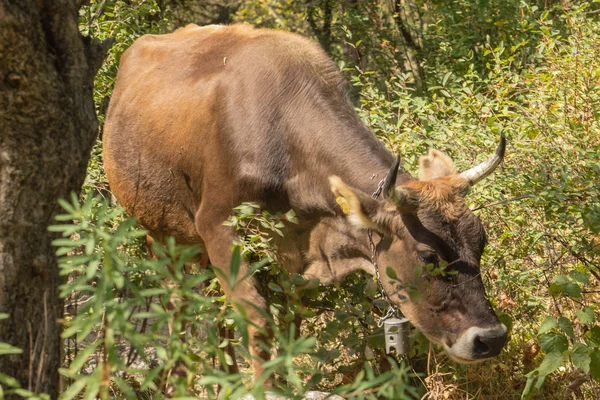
(482, 170)
(389, 185)
(400, 197)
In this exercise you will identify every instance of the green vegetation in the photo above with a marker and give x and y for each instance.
(139, 326)
(450, 75)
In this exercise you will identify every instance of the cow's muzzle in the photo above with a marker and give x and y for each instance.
(477, 344)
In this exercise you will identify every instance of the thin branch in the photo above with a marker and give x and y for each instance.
(499, 202)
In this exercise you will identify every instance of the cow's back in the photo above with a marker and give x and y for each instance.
(198, 120)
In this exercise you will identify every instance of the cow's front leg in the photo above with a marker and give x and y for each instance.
(243, 294)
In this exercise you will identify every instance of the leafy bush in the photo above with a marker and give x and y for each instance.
(9, 385)
(541, 206)
(148, 326)
(134, 324)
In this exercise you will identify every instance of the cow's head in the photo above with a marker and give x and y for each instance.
(434, 243)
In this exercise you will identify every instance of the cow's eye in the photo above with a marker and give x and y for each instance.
(428, 257)
(439, 308)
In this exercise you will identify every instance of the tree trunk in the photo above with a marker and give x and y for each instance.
(47, 128)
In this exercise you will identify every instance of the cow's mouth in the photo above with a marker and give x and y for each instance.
(461, 360)
(474, 345)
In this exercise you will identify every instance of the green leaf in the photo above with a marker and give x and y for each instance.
(63, 217)
(551, 363)
(561, 280)
(506, 320)
(311, 284)
(448, 74)
(124, 387)
(67, 229)
(93, 386)
(553, 342)
(291, 217)
(275, 287)
(119, 280)
(531, 379)
(74, 388)
(9, 381)
(236, 260)
(150, 377)
(580, 357)
(161, 353)
(24, 393)
(555, 290)
(549, 323)
(580, 277)
(90, 245)
(6, 348)
(415, 294)
(593, 336)
(298, 279)
(586, 315)
(595, 365)
(391, 273)
(69, 243)
(82, 358)
(152, 292)
(91, 269)
(570, 289)
(67, 206)
(566, 326)
(245, 209)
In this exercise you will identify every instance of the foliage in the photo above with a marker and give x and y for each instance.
(257, 227)
(131, 318)
(140, 325)
(13, 387)
(540, 206)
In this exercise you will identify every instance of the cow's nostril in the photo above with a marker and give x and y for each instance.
(490, 343)
(481, 347)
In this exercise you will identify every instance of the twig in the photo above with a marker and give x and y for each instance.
(41, 361)
(499, 202)
(362, 392)
(133, 354)
(31, 351)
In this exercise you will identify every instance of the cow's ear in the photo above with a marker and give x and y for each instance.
(361, 208)
(434, 165)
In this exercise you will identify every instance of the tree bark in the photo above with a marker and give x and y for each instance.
(47, 129)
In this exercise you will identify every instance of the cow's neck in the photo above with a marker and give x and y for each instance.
(328, 142)
(334, 142)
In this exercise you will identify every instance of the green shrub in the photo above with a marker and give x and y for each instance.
(148, 326)
(541, 206)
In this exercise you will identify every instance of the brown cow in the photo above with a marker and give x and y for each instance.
(206, 118)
